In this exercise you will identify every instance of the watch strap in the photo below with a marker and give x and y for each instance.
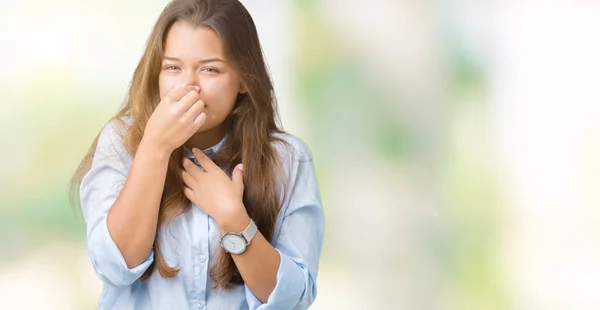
(250, 231)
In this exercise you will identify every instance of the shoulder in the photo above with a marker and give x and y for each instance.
(298, 178)
(292, 148)
(111, 141)
(110, 161)
(116, 128)
(113, 133)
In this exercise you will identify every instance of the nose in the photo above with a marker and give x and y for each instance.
(189, 78)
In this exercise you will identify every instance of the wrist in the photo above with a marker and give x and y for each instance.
(234, 221)
(150, 148)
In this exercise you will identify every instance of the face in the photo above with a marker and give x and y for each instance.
(194, 56)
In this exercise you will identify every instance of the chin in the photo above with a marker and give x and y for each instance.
(204, 128)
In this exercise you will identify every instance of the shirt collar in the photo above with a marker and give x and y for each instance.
(208, 152)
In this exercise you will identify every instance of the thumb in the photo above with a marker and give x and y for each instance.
(237, 176)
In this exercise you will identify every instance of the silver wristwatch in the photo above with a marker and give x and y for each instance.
(236, 243)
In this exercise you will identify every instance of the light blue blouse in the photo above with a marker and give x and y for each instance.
(191, 241)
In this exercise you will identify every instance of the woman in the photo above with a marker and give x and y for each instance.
(193, 196)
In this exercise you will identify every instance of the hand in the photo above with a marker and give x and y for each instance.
(177, 117)
(214, 192)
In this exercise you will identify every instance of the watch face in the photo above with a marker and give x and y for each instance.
(234, 244)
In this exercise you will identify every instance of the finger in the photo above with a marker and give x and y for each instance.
(204, 161)
(237, 176)
(186, 102)
(178, 92)
(189, 193)
(191, 168)
(194, 111)
(199, 121)
(188, 179)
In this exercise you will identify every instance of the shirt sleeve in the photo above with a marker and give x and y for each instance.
(299, 245)
(99, 190)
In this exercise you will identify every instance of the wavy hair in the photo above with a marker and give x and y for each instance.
(251, 126)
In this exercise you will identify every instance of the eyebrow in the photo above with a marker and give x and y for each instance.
(204, 61)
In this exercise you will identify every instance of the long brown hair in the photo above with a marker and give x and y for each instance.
(250, 127)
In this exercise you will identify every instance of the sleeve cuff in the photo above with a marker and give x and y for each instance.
(108, 261)
(290, 287)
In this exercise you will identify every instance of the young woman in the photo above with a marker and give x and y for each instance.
(193, 196)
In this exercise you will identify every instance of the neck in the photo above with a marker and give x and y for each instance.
(206, 139)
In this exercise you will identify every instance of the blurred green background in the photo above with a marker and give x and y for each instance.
(456, 144)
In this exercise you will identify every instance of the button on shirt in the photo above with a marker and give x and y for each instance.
(192, 240)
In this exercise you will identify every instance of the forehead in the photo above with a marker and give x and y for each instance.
(188, 41)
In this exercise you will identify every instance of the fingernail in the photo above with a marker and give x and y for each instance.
(197, 88)
(194, 150)
(241, 167)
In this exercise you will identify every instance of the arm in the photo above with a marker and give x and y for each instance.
(283, 276)
(133, 217)
(278, 276)
(121, 224)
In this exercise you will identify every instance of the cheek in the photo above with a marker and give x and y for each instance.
(165, 85)
(220, 94)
